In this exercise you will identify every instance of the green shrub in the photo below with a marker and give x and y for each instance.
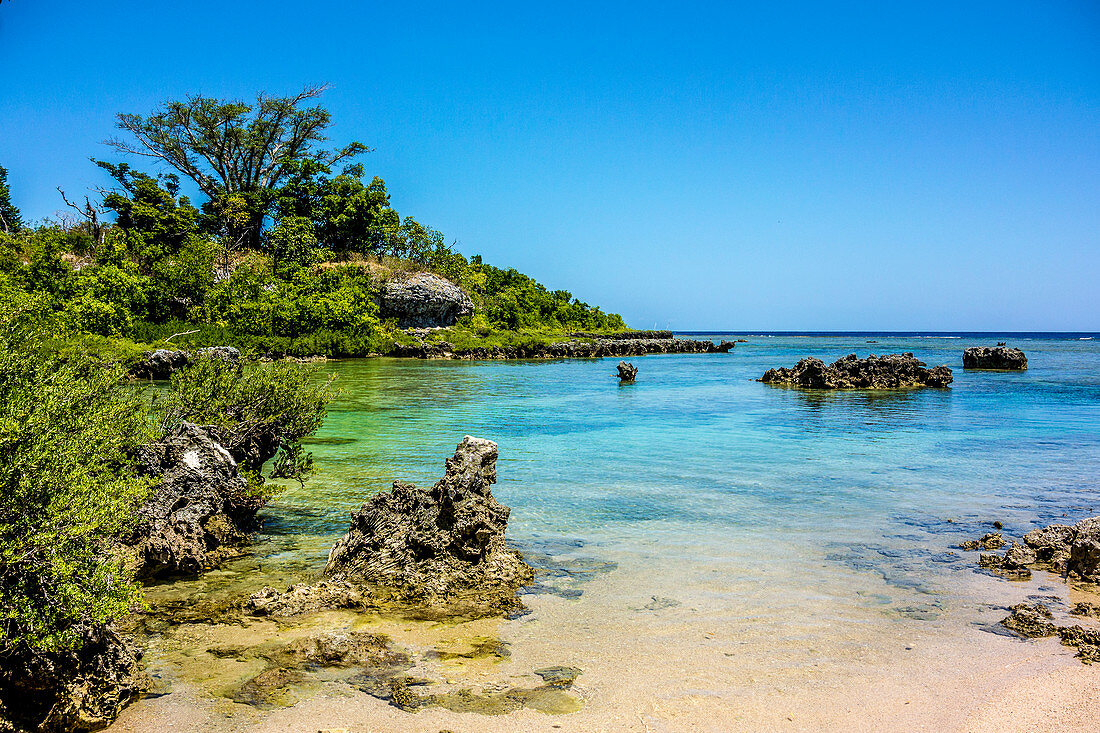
(66, 486)
(251, 409)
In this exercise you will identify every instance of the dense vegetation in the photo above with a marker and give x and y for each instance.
(69, 429)
(284, 254)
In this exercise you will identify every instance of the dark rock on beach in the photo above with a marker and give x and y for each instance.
(890, 371)
(82, 689)
(1033, 621)
(627, 371)
(199, 512)
(424, 300)
(994, 357)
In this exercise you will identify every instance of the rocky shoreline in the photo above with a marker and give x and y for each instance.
(617, 345)
(418, 553)
(1071, 552)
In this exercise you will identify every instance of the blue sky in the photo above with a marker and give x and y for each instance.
(692, 165)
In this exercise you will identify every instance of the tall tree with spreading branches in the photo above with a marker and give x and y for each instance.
(230, 148)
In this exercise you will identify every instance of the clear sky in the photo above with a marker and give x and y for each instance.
(767, 165)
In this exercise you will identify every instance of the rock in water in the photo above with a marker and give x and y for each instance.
(890, 371)
(82, 689)
(199, 510)
(159, 364)
(994, 357)
(424, 301)
(627, 371)
(437, 545)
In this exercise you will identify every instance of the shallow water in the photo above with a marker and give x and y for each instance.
(702, 528)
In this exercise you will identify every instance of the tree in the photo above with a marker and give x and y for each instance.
(232, 148)
(10, 219)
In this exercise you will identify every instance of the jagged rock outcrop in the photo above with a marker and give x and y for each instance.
(627, 371)
(440, 543)
(424, 300)
(994, 357)
(890, 371)
(200, 509)
(82, 689)
(427, 550)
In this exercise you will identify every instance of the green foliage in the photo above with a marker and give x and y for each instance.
(10, 219)
(292, 242)
(292, 461)
(66, 484)
(282, 258)
(251, 408)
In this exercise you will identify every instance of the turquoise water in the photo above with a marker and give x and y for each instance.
(697, 447)
(704, 541)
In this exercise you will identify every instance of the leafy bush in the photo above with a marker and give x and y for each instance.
(66, 485)
(251, 409)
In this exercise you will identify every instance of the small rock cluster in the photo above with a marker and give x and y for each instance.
(994, 357)
(890, 371)
(1073, 551)
(162, 363)
(1036, 621)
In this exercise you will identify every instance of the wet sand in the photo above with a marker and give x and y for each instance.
(661, 666)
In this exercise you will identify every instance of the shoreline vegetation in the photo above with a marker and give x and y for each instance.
(290, 250)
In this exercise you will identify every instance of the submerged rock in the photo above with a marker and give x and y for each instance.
(82, 689)
(994, 357)
(627, 371)
(890, 371)
(437, 545)
(200, 510)
(424, 300)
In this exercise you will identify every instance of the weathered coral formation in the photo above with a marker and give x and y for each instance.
(890, 371)
(438, 547)
(627, 371)
(994, 357)
(424, 300)
(199, 511)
